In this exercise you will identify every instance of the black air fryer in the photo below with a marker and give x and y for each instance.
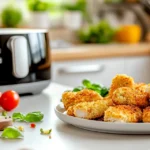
(24, 60)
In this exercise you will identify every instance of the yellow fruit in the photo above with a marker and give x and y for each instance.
(129, 34)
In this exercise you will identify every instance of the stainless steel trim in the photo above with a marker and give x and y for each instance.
(81, 69)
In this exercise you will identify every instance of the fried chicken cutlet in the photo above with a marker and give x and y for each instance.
(123, 113)
(85, 95)
(130, 96)
(120, 80)
(89, 110)
(146, 115)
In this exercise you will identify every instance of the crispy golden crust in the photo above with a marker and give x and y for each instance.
(123, 96)
(70, 111)
(85, 95)
(146, 114)
(141, 96)
(90, 110)
(123, 113)
(130, 96)
(144, 88)
(68, 98)
(121, 80)
(147, 89)
(109, 100)
(140, 86)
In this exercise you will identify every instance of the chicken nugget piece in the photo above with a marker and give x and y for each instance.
(147, 89)
(141, 95)
(121, 80)
(109, 100)
(143, 88)
(70, 111)
(140, 87)
(68, 98)
(146, 115)
(123, 113)
(123, 96)
(85, 95)
(141, 99)
(130, 96)
(91, 110)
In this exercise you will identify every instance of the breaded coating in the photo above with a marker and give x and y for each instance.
(70, 111)
(141, 95)
(85, 95)
(140, 86)
(123, 113)
(145, 88)
(141, 98)
(121, 80)
(123, 96)
(110, 101)
(130, 96)
(69, 98)
(90, 110)
(146, 115)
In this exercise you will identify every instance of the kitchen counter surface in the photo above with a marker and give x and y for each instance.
(100, 51)
(64, 136)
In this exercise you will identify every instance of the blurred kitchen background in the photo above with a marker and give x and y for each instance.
(92, 39)
(81, 21)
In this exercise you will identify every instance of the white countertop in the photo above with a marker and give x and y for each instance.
(64, 136)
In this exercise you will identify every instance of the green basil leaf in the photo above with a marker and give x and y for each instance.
(86, 83)
(18, 116)
(96, 86)
(34, 117)
(104, 91)
(77, 89)
(11, 133)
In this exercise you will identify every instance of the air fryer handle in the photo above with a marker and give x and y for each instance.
(19, 49)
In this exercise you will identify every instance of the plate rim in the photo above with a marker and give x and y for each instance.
(101, 122)
(101, 126)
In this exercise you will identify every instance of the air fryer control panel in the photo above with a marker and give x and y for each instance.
(24, 58)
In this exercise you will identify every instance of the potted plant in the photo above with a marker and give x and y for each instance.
(73, 14)
(39, 13)
(11, 16)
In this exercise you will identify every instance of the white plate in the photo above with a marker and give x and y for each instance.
(99, 126)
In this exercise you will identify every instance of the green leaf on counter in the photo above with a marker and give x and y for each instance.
(18, 116)
(30, 117)
(34, 116)
(4, 113)
(11, 133)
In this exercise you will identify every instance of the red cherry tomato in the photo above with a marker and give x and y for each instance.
(9, 100)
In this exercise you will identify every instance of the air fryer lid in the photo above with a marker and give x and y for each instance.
(21, 31)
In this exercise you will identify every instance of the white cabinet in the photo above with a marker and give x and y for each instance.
(99, 71)
(138, 68)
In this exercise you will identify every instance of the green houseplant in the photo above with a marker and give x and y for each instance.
(101, 32)
(73, 14)
(39, 12)
(11, 16)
